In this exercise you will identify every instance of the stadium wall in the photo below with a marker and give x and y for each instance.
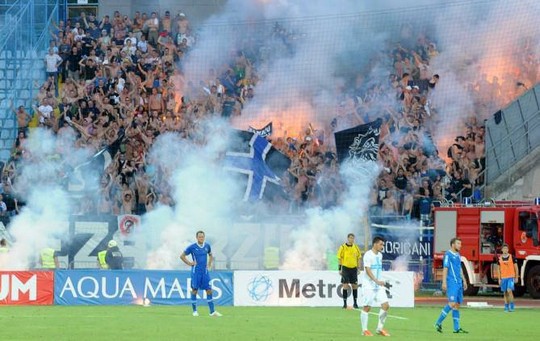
(512, 134)
(407, 247)
(521, 182)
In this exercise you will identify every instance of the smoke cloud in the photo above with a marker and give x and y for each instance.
(324, 227)
(310, 53)
(43, 221)
(202, 192)
(485, 50)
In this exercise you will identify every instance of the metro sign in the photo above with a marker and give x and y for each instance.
(26, 287)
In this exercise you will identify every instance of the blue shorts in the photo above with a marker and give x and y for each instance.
(455, 294)
(200, 280)
(507, 284)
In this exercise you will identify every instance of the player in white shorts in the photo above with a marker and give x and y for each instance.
(373, 288)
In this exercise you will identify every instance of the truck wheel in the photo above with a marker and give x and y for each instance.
(533, 282)
(471, 290)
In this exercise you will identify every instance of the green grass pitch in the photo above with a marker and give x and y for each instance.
(253, 323)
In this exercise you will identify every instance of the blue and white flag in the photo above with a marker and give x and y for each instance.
(263, 165)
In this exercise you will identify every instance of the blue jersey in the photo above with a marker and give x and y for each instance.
(452, 261)
(199, 254)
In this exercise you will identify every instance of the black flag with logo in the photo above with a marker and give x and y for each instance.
(360, 143)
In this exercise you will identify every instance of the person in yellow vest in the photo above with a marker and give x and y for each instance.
(3, 246)
(101, 259)
(348, 263)
(4, 250)
(331, 260)
(271, 258)
(48, 258)
(508, 275)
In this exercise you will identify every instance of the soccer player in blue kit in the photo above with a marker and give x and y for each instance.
(453, 282)
(201, 255)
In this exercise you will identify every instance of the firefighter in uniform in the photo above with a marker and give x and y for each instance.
(114, 257)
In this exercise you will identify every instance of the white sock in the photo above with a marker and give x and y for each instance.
(364, 319)
(382, 319)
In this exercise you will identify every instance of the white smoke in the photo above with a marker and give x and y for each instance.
(300, 80)
(401, 263)
(481, 40)
(312, 240)
(202, 191)
(43, 221)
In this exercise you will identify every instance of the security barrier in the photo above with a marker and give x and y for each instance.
(26, 287)
(73, 287)
(138, 287)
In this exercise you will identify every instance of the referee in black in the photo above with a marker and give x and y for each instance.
(349, 262)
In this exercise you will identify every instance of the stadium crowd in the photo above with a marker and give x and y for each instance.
(120, 80)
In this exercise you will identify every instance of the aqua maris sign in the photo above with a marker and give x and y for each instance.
(125, 287)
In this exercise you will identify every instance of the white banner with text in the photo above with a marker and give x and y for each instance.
(312, 288)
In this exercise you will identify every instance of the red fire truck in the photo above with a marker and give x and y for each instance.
(483, 228)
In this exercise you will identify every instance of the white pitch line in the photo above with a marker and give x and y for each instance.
(34, 316)
(392, 316)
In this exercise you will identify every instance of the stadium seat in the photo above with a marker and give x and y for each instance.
(23, 74)
(8, 124)
(4, 154)
(38, 73)
(25, 95)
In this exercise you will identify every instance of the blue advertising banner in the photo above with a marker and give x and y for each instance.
(407, 247)
(414, 243)
(126, 287)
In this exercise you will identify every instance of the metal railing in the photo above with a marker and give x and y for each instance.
(480, 187)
